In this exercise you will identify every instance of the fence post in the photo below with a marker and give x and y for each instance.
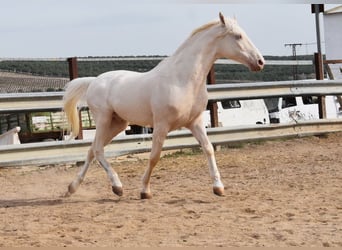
(73, 73)
(320, 76)
(73, 69)
(212, 105)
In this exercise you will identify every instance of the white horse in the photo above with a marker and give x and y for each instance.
(170, 96)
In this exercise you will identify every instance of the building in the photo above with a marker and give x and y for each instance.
(333, 39)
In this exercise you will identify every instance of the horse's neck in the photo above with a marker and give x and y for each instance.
(194, 58)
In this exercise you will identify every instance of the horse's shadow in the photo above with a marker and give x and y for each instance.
(37, 202)
(29, 202)
(50, 202)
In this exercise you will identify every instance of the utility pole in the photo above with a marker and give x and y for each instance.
(316, 9)
(294, 54)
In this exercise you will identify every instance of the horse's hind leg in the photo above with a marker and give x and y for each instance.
(198, 130)
(108, 126)
(115, 127)
(80, 177)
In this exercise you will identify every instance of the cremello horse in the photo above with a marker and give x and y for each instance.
(170, 96)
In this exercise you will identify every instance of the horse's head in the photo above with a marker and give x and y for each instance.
(234, 44)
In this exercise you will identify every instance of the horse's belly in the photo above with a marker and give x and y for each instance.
(133, 108)
(135, 116)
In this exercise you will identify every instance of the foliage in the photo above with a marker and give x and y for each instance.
(224, 73)
(40, 68)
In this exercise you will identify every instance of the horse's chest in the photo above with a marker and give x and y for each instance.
(188, 107)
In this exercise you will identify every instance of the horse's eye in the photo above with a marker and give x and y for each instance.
(238, 37)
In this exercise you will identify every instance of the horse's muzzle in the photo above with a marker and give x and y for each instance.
(259, 65)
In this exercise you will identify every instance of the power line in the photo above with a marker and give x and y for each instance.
(294, 54)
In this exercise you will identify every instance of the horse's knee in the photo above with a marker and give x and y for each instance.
(208, 149)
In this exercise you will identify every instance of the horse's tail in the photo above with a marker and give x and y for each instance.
(74, 91)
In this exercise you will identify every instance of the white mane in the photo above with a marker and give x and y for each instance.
(230, 25)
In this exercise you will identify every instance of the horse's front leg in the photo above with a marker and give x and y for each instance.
(198, 130)
(158, 138)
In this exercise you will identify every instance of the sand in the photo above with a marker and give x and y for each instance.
(278, 193)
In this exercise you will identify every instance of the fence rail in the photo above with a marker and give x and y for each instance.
(58, 152)
(71, 151)
(260, 90)
(19, 102)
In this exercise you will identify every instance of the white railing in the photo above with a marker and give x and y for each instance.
(238, 91)
(56, 152)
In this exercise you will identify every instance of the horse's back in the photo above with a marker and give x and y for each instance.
(124, 92)
(111, 80)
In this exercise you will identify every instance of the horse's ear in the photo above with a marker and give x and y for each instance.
(222, 19)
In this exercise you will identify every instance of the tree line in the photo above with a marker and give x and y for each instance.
(224, 72)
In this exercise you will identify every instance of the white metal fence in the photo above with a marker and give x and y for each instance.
(238, 91)
(71, 151)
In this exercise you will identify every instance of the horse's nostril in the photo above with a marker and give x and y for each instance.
(260, 62)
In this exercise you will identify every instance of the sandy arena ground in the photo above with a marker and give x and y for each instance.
(278, 193)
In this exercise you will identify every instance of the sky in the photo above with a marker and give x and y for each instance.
(66, 28)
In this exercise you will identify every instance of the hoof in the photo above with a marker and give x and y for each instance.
(117, 190)
(71, 190)
(67, 194)
(145, 196)
(219, 191)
